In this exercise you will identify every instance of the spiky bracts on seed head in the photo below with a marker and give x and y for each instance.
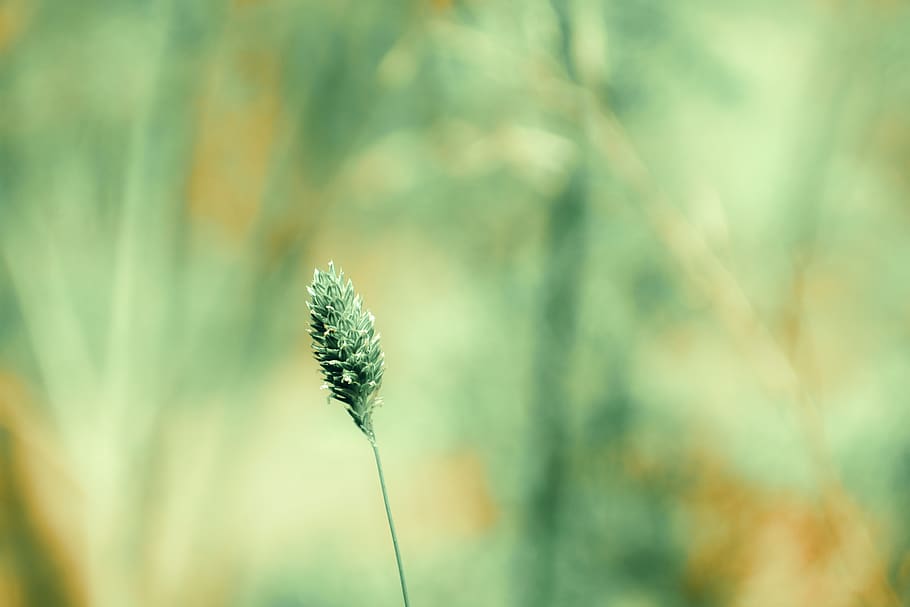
(346, 345)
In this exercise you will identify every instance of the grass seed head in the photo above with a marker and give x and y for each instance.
(346, 345)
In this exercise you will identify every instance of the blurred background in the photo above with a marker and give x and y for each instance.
(641, 270)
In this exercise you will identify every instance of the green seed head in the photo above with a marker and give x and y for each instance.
(346, 345)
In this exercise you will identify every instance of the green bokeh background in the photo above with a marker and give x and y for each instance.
(641, 270)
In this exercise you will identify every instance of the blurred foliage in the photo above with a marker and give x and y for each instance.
(641, 269)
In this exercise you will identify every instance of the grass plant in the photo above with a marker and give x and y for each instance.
(347, 348)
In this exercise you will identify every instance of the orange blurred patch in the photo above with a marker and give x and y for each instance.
(451, 497)
(888, 144)
(770, 548)
(240, 119)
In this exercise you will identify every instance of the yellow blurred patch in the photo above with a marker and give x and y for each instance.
(39, 510)
(13, 18)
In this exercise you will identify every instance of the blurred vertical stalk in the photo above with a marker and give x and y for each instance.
(537, 562)
(538, 557)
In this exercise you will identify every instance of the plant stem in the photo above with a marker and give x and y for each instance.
(388, 512)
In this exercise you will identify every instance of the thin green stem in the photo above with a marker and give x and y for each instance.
(388, 512)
